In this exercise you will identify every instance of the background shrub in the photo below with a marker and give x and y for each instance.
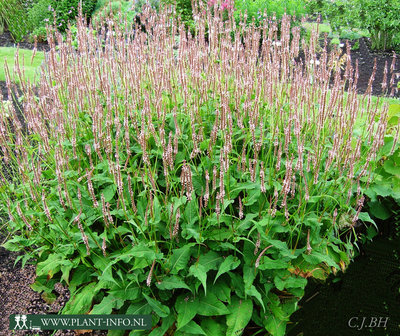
(13, 15)
(255, 9)
(44, 12)
(380, 18)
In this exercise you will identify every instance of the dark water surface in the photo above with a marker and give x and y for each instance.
(365, 300)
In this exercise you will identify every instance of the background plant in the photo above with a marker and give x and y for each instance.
(200, 181)
(13, 15)
(380, 18)
(60, 13)
(256, 9)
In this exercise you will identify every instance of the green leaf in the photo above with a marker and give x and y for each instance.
(172, 282)
(199, 272)
(193, 328)
(139, 308)
(180, 258)
(109, 192)
(275, 326)
(252, 291)
(230, 263)
(268, 263)
(51, 265)
(159, 309)
(186, 307)
(210, 260)
(381, 189)
(212, 327)
(364, 216)
(237, 320)
(106, 306)
(315, 258)
(211, 306)
(167, 322)
(128, 293)
(391, 167)
(221, 290)
(81, 301)
(379, 210)
(249, 274)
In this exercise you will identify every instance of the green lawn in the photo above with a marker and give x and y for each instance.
(25, 56)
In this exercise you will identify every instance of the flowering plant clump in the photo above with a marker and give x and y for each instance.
(202, 182)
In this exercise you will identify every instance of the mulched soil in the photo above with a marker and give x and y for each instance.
(15, 294)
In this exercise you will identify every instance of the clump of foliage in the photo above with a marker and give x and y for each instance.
(58, 12)
(379, 17)
(384, 192)
(129, 9)
(258, 10)
(13, 15)
(200, 181)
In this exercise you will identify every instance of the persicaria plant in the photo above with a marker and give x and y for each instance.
(202, 181)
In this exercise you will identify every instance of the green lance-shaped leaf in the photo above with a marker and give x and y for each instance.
(199, 272)
(159, 309)
(172, 282)
(186, 307)
(193, 328)
(81, 301)
(211, 306)
(210, 260)
(179, 259)
(237, 320)
(212, 327)
(230, 263)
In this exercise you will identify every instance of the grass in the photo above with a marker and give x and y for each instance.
(25, 57)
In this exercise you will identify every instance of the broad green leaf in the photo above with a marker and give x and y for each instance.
(237, 320)
(275, 326)
(199, 272)
(186, 307)
(252, 291)
(116, 333)
(230, 263)
(139, 308)
(382, 189)
(211, 306)
(191, 213)
(210, 260)
(295, 281)
(221, 290)
(180, 258)
(212, 327)
(379, 210)
(391, 168)
(167, 322)
(109, 192)
(316, 258)
(159, 309)
(106, 306)
(51, 265)
(364, 216)
(237, 284)
(192, 328)
(249, 274)
(129, 293)
(172, 282)
(268, 263)
(81, 302)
